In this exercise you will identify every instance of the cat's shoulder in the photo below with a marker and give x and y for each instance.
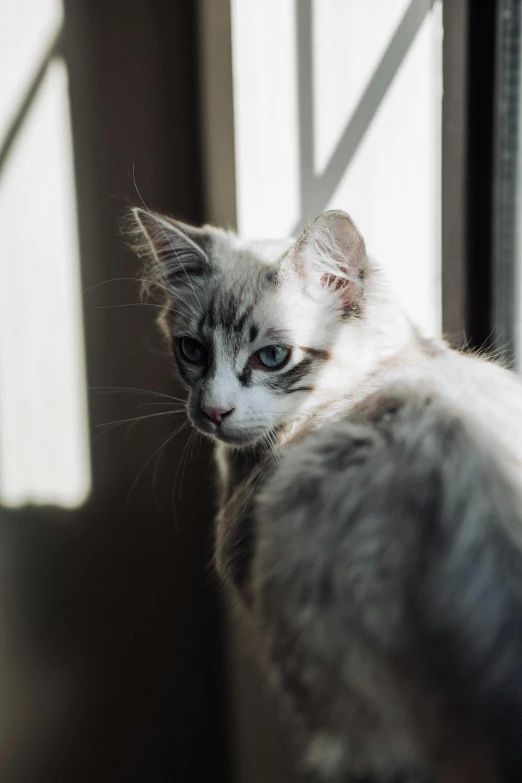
(450, 373)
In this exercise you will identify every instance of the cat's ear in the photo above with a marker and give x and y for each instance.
(180, 252)
(331, 252)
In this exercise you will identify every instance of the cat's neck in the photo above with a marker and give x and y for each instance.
(381, 363)
(366, 344)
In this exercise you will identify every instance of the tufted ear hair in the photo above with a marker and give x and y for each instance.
(179, 253)
(331, 251)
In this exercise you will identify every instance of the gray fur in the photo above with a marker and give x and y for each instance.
(372, 531)
(399, 631)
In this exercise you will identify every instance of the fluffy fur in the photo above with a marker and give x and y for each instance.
(371, 491)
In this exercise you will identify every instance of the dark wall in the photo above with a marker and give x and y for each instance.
(112, 643)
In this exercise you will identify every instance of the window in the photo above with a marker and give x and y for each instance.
(334, 111)
(44, 452)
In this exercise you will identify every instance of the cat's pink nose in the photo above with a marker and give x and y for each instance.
(216, 414)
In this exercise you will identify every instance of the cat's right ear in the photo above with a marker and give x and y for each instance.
(179, 252)
(331, 253)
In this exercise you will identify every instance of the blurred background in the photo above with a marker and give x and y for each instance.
(117, 661)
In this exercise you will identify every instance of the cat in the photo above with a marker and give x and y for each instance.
(370, 520)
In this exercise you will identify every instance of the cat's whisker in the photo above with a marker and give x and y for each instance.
(188, 452)
(180, 462)
(138, 304)
(267, 444)
(164, 233)
(131, 390)
(169, 290)
(157, 463)
(196, 441)
(183, 405)
(134, 419)
(272, 440)
(193, 309)
(158, 450)
(135, 279)
(102, 433)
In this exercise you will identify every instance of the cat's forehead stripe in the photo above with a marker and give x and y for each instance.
(284, 381)
(238, 324)
(228, 311)
(318, 353)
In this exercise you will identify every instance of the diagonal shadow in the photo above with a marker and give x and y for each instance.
(319, 190)
(30, 95)
(303, 18)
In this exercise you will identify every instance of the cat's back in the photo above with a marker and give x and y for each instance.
(483, 396)
(394, 518)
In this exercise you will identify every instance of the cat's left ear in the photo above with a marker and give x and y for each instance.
(332, 253)
(180, 251)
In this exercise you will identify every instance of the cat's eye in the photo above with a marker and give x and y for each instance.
(273, 356)
(192, 350)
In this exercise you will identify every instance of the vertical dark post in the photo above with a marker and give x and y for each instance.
(468, 170)
(454, 163)
(481, 108)
(506, 194)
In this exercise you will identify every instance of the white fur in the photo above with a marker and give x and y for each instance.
(306, 312)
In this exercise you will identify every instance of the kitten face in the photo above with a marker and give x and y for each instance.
(251, 326)
(244, 357)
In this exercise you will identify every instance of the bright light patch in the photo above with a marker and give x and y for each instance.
(27, 29)
(44, 451)
(349, 39)
(392, 185)
(265, 116)
(365, 82)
